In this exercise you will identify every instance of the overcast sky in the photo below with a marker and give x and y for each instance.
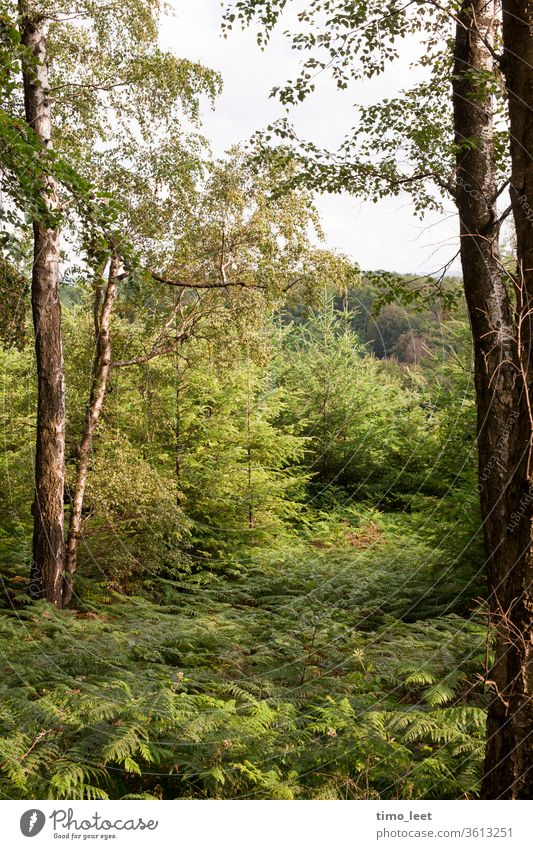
(384, 235)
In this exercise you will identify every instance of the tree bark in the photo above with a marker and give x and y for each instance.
(178, 447)
(48, 507)
(96, 400)
(517, 65)
(509, 764)
(504, 424)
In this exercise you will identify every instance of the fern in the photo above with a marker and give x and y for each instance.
(305, 695)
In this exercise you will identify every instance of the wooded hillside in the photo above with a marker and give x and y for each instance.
(264, 515)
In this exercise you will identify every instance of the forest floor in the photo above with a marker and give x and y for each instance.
(347, 664)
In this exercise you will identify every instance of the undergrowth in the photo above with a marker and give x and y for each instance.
(327, 668)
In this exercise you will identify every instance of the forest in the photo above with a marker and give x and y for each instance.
(265, 515)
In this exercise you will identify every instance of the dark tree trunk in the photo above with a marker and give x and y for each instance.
(48, 510)
(509, 772)
(504, 428)
(517, 66)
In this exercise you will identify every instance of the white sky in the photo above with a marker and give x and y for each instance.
(384, 235)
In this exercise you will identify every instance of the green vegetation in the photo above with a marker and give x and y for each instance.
(282, 602)
(240, 540)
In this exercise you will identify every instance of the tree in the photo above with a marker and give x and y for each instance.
(439, 138)
(366, 431)
(48, 536)
(237, 252)
(238, 464)
(508, 769)
(59, 52)
(101, 368)
(504, 427)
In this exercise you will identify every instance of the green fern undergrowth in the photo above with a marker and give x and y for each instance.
(343, 665)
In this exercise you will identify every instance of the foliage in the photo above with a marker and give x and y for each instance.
(335, 657)
(401, 144)
(279, 571)
(237, 470)
(368, 429)
(275, 684)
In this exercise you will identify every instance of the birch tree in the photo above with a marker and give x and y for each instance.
(78, 94)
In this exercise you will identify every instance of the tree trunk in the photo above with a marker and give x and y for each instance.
(48, 507)
(96, 401)
(504, 428)
(178, 446)
(509, 765)
(517, 66)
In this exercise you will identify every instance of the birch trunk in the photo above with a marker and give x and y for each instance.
(94, 409)
(48, 506)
